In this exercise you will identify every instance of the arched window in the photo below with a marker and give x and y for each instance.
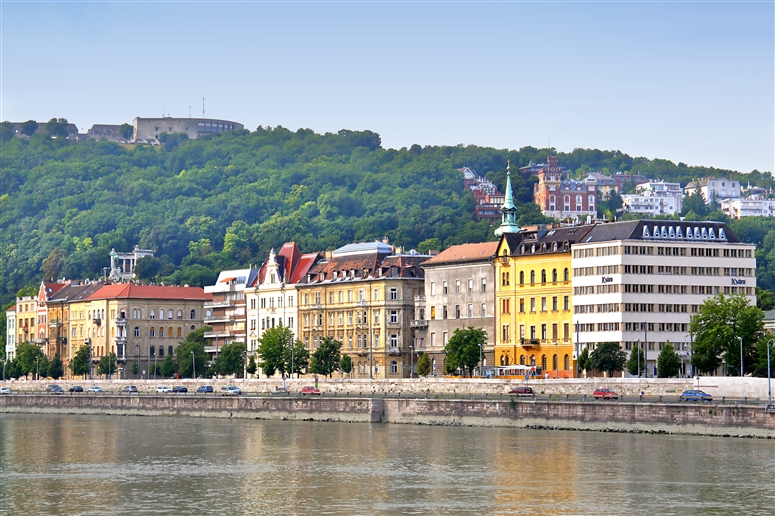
(591, 202)
(532, 277)
(503, 360)
(153, 314)
(543, 275)
(193, 314)
(543, 362)
(554, 275)
(180, 314)
(521, 277)
(161, 331)
(169, 313)
(153, 331)
(567, 363)
(554, 362)
(566, 202)
(153, 350)
(137, 331)
(208, 313)
(578, 201)
(169, 350)
(180, 331)
(566, 275)
(551, 202)
(521, 359)
(169, 332)
(161, 351)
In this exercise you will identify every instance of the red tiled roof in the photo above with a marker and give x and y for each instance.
(128, 290)
(465, 253)
(11, 309)
(306, 261)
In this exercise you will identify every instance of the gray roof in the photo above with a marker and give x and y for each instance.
(365, 247)
(662, 230)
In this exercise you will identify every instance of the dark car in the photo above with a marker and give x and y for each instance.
(605, 394)
(76, 388)
(204, 389)
(695, 395)
(522, 391)
(179, 388)
(55, 389)
(131, 389)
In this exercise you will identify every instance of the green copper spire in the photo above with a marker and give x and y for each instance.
(508, 210)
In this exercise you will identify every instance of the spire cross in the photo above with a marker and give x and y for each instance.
(508, 164)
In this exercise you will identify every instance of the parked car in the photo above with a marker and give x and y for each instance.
(5, 390)
(163, 388)
(522, 391)
(55, 389)
(131, 389)
(695, 395)
(230, 390)
(204, 389)
(605, 394)
(76, 388)
(308, 389)
(179, 388)
(95, 388)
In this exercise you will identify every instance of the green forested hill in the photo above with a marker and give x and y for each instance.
(224, 201)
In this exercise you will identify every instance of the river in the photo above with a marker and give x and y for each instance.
(71, 464)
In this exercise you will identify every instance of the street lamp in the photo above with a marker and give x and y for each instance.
(411, 355)
(138, 361)
(638, 343)
(193, 364)
(769, 388)
(741, 356)
(37, 367)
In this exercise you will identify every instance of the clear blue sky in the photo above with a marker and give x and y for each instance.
(685, 81)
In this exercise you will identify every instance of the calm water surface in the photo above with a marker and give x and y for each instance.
(65, 464)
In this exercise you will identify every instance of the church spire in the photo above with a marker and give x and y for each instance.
(508, 210)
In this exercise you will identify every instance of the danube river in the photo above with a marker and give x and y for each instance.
(69, 464)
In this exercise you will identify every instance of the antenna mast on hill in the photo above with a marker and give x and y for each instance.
(189, 111)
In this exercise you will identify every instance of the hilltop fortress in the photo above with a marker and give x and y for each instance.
(144, 130)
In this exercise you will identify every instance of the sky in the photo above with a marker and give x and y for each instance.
(691, 82)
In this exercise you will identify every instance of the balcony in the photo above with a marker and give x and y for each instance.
(120, 340)
(527, 343)
(362, 302)
(418, 323)
(220, 319)
(419, 299)
(316, 306)
(214, 334)
(225, 303)
(394, 350)
(97, 322)
(121, 321)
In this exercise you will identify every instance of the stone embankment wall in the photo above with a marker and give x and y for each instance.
(701, 419)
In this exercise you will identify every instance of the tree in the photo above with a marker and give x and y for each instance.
(609, 357)
(53, 263)
(57, 127)
(765, 299)
(6, 132)
(252, 367)
(325, 359)
(135, 368)
(584, 361)
(167, 368)
(760, 368)
(12, 369)
(80, 364)
(424, 365)
(668, 362)
(28, 357)
(296, 359)
(717, 329)
(464, 348)
(126, 131)
(231, 359)
(637, 359)
(107, 365)
(29, 127)
(55, 369)
(270, 349)
(194, 343)
(346, 364)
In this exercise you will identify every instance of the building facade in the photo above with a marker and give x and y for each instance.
(638, 283)
(563, 198)
(754, 206)
(363, 296)
(225, 312)
(534, 299)
(149, 129)
(650, 203)
(122, 265)
(714, 188)
(459, 286)
(10, 333)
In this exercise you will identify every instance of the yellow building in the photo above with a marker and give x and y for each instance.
(533, 299)
(363, 296)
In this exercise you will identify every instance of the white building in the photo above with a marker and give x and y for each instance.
(271, 298)
(10, 333)
(639, 282)
(225, 314)
(755, 206)
(651, 203)
(122, 265)
(712, 187)
(661, 188)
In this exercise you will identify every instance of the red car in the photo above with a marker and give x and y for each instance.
(308, 389)
(522, 391)
(605, 394)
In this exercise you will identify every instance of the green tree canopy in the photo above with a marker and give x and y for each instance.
(584, 362)
(325, 359)
(107, 365)
(717, 329)
(80, 364)
(252, 367)
(296, 358)
(28, 357)
(609, 357)
(464, 348)
(668, 362)
(271, 348)
(346, 364)
(231, 359)
(126, 131)
(167, 369)
(424, 365)
(636, 364)
(57, 127)
(187, 365)
(29, 127)
(55, 369)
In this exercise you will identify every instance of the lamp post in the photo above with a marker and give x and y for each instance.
(556, 360)
(371, 356)
(193, 364)
(411, 356)
(104, 273)
(741, 356)
(37, 367)
(137, 375)
(638, 343)
(769, 388)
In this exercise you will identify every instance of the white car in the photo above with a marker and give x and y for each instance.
(230, 390)
(163, 388)
(5, 390)
(95, 388)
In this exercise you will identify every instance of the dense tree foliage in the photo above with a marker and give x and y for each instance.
(189, 366)
(717, 329)
(346, 364)
(271, 350)
(55, 369)
(423, 365)
(465, 348)
(636, 364)
(608, 357)
(231, 359)
(80, 364)
(223, 201)
(107, 365)
(325, 360)
(28, 358)
(668, 362)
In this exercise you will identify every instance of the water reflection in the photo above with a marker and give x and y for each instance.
(52, 464)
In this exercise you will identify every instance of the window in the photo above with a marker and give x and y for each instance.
(153, 350)
(554, 275)
(470, 311)
(393, 367)
(521, 277)
(444, 312)
(444, 288)
(153, 314)
(543, 331)
(394, 294)
(393, 341)
(433, 288)
(521, 305)
(153, 332)
(470, 286)
(543, 304)
(532, 304)
(554, 331)
(566, 303)
(457, 286)
(169, 350)
(394, 316)
(169, 313)
(180, 314)
(161, 351)
(161, 331)
(532, 277)
(484, 284)
(543, 275)
(457, 311)
(193, 313)
(554, 303)
(484, 309)
(137, 331)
